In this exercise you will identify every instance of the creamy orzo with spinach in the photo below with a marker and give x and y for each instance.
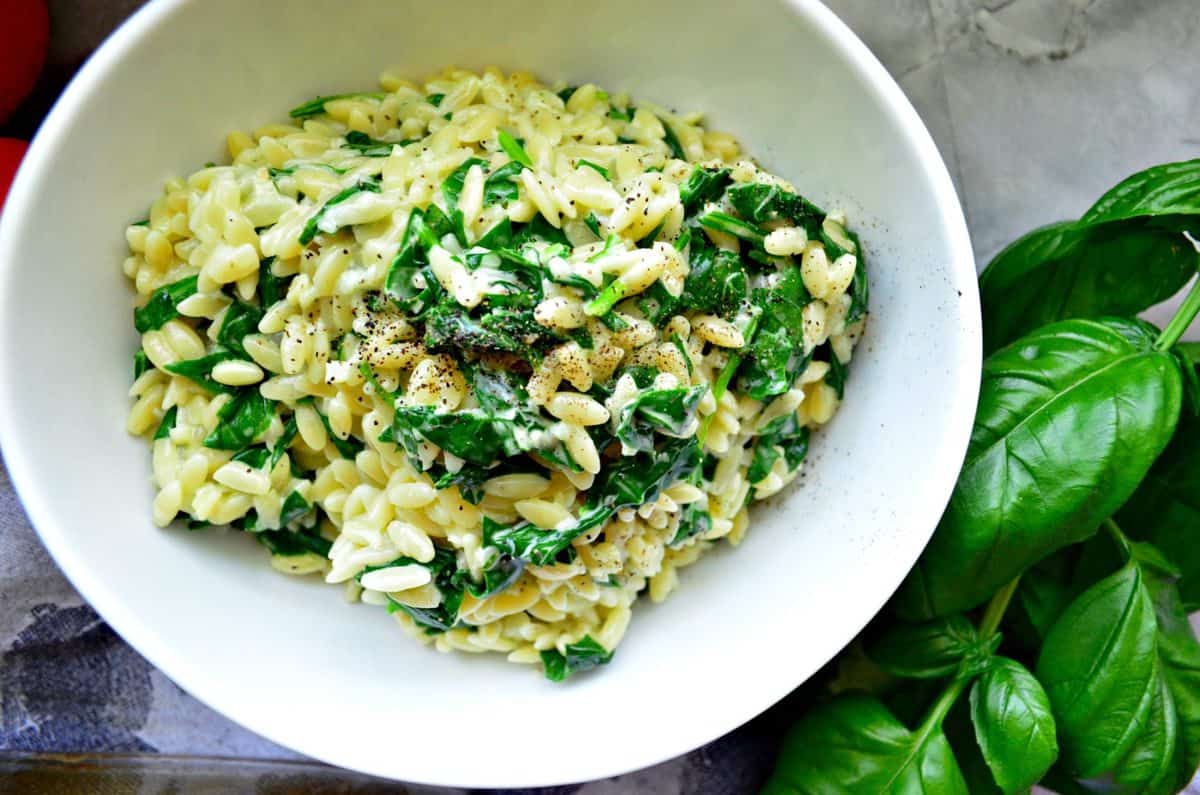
(496, 357)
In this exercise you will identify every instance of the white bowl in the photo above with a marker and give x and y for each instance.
(287, 657)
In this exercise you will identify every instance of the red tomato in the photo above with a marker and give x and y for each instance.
(24, 34)
(11, 152)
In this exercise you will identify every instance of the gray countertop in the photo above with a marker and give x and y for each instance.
(1037, 106)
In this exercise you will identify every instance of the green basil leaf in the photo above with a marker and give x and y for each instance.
(1100, 671)
(1167, 189)
(929, 650)
(854, 744)
(162, 304)
(1165, 509)
(1013, 725)
(1063, 271)
(1167, 752)
(1070, 418)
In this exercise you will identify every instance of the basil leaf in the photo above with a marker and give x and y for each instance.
(1099, 668)
(1013, 725)
(314, 223)
(854, 744)
(1165, 509)
(1167, 752)
(1062, 271)
(162, 306)
(1168, 189)
(583, 655)
(349, 447)
(929, 650)
(242, 420)
(1070, 418)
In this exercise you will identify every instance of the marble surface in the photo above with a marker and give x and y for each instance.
(1037, 107)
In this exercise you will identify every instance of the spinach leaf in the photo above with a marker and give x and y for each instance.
(422, 231)
(294, 507)
(760, 203)
(836, 377)
(716, 281)
(368, 146)
(785, 438)
(316, 106)
(447, 580)
(672, 141)
(582, 655)
(774, 356)
(513, 148)
(1070, 418)
(168, 422)
(724, 222)
(1013, 725)
(452, 186)
(565, 94)
(290, 543)
(501, 185)
(630, 482)
(200, 370)
(239, 320)
(471, 434)
(854, 744)
(702, 185)
(435, 99)
(1063, 271)
(1099, 668)
(141, 363)
(271, 288)
(349, 447)
(621, 114)
(315, 223)
(929, 650)
(693, 521)
(599, 169)
(163, 304)
(242, 420)
(670, 412)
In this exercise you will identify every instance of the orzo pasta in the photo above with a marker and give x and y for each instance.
(497, 357)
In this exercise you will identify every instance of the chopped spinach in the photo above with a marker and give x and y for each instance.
(584, 655)
(784, 438)
(669, 412)
(702, 185)
(672, 142)
(758, 203)
(453, 184)
(291, 543)
(724, 222)
(294, 506)
(316, 106)
(630, 482)
(314, 224)
(163, 304)
(716, 280)
(513, 148)
(435, 99)
(348, 447)
(200, 370)
(775, 357)
(501, 184)
(239, 320)
(693, 521)
(168, 422)
(601, 170)
(141, 363)
(565, 94)
(271, 288)
(368, 146)
(242, 420)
